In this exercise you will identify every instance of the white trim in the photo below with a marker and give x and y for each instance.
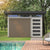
(8, 26)
(31, 27)
(30, 24)
(42, 25)
(20, 17)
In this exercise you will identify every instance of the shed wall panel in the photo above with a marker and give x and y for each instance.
(19, 27)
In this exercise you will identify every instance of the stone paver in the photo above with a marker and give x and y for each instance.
(35, 45)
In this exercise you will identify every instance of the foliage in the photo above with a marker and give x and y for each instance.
(13, 5)
(24, 5)
(48, 19)
(45, 4)
(29, 5)
(49, 13)
(4, 6)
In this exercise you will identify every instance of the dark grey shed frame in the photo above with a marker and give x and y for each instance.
(28, 13)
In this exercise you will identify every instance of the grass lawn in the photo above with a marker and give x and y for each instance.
(4, 37)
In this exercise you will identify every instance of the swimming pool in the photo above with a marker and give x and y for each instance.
(11, 46)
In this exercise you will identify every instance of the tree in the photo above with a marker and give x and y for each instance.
(49, 13)
(48, 17)
(29, 5)
(13, 5)
(45, 4)
(4, 6)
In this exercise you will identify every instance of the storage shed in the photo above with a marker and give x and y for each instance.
(26, 23)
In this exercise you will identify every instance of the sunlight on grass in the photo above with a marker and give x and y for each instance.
(5, 38)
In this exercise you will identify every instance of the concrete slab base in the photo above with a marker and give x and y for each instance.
(36, 38)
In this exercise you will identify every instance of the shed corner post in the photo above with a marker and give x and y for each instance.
(8, 26)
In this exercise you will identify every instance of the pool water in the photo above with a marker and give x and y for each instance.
(11, 46)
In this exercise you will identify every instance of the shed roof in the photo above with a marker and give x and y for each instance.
(24, 12)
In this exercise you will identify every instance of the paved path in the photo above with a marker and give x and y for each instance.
(35, 45)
